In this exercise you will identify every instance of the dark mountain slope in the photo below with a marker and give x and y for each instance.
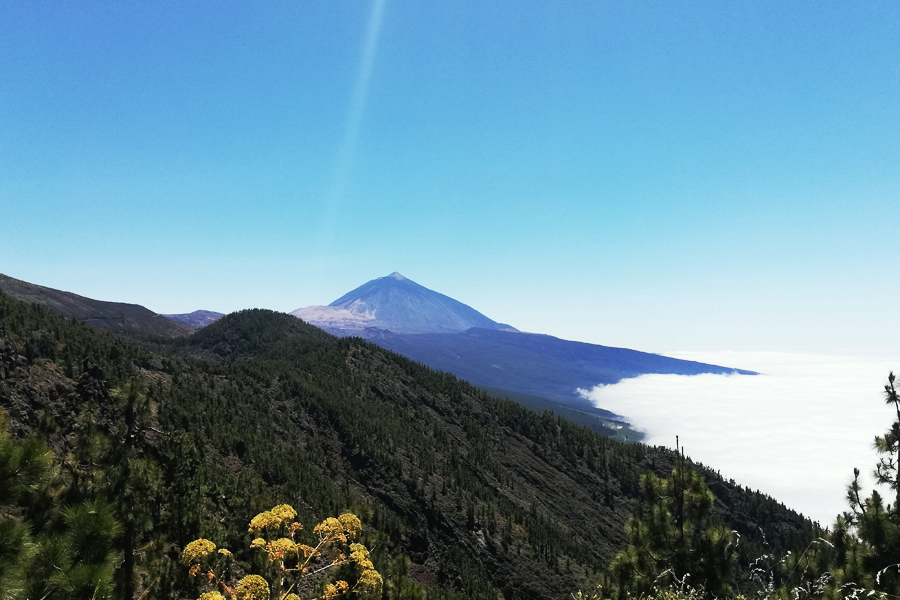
(260, 408)
(115, 316)
(539, 365)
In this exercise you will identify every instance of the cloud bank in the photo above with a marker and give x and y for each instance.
(796, 432)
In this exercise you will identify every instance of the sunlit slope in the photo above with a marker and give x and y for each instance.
(398, 304)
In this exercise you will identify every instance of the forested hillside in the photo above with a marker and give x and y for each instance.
(114, 316)
(194, 436)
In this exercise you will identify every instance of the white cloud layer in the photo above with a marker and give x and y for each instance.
(795, 433)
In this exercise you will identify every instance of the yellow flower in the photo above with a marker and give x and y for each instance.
(264, 520)
(370, 584)
(258, 543)
(252, 587)
(280, 547)
(290, 597)
(224, 551)
(212, 596)
(360, 555)
(284, 512)
(351, 524)
(330, 529)
(333, 590)
(196, 550)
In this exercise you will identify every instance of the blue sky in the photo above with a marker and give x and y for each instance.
(664, 176)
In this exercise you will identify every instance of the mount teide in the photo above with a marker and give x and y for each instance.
(436, 330)
(399, 305)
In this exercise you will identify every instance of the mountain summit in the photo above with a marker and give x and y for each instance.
(445, 334)
(397, 304)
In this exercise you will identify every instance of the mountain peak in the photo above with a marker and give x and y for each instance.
(397, 304)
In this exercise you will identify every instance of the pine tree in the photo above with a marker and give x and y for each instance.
(887, 471)
(109, 465)
(78, 538)
(876, 524)
(860, 556)
(25, 469)
(48, 550)
(676, 544)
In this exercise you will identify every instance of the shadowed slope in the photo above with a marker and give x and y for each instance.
(541, 365)
(115, 316)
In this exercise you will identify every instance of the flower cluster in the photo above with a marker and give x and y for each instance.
(264, 520)
(284, 513)
(331, 529)
(275, 533)
(271, 519)
(333, 590)
(252, 587)
(196, 551)
(278, 548)
(370, 584)
(351, 524)
(360, 555)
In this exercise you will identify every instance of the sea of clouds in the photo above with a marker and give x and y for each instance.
(795, 432)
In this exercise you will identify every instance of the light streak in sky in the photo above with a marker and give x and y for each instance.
(354, 117)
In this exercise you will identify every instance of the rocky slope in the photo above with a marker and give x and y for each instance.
(114, 316)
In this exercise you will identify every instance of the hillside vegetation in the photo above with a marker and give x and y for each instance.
(461, 494)
(113, 316)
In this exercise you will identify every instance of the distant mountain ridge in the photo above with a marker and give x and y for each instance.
(397, 304)
(197, 319)
(494, 356)
(114, 316)
(445, 334)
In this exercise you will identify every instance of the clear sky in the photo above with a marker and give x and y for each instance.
(658, 175)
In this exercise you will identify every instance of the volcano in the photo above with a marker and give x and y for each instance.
(397, 304)
(541, 371)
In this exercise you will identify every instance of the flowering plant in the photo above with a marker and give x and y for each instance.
(275, 534)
